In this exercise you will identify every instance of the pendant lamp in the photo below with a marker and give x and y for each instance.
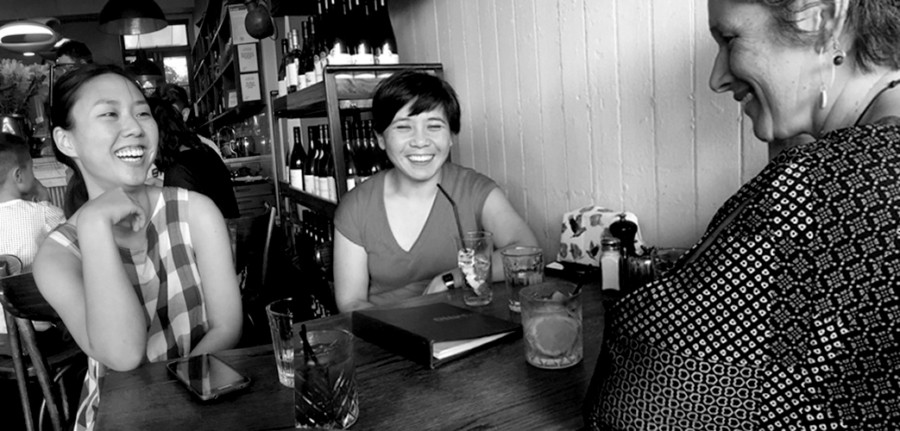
(29, 36)
(131, 17)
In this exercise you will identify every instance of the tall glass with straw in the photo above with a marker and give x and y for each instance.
(474, 260)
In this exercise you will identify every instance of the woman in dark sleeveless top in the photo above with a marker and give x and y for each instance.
(786, 314)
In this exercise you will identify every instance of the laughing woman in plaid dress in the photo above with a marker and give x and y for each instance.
(124, 272)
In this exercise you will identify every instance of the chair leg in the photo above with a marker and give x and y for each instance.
(18, 364)
(40, 367)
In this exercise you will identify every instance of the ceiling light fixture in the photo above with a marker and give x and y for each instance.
(131, 17)
(34, 35)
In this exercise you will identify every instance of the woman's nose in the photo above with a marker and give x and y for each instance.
(720, 78)
(420, 139)
(131, 126)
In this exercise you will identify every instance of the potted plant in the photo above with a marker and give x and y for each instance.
(19, 83)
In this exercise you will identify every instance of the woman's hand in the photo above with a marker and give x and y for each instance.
(114, 207)
(438, 284)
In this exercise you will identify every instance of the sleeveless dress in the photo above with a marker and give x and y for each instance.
(167, 282)
(785, 316)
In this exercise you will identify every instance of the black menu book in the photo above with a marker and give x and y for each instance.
(430, 334)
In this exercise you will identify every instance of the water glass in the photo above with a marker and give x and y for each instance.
(325, 392)
(281, 319)
(475, 263)
(522, 266)
(551, 323)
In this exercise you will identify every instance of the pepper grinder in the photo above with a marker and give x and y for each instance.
(625, 230)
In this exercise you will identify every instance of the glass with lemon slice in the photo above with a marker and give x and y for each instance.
(551, 323)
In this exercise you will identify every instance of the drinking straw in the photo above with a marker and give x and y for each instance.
(578, 288)
(462, 244)
(307, 348)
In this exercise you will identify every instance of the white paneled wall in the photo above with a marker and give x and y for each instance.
(568, 103)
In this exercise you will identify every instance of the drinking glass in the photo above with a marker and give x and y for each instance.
(551, 322)
(325, 392)
(474, 261)
(280, 314)
(522, 266)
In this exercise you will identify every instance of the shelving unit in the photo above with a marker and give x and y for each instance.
(226, 73)
(327, 99)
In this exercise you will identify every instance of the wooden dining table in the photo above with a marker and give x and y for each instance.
(492, 388)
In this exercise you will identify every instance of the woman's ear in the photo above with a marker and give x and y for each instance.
(185, 114)
(380, 139)
(62, 141)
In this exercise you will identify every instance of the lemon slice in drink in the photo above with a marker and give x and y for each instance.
(553, 335)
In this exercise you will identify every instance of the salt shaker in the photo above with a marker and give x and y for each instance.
(610, 263)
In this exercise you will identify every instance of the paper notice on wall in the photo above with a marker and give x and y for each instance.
(250, 87)
(247, 61)
(239, 33)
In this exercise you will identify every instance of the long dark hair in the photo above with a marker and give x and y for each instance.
(173, 133)
(65, 94)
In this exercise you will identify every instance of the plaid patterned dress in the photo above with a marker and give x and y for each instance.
(166, 279)
(790, 317)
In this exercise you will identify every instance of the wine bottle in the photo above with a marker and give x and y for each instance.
(327, 185)
(309, 49)
(363, 53)
(282, 70)
(309, 176)
(297, 157)
(350, 161)
(293, 62)
(386, 50)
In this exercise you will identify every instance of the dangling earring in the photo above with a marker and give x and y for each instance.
(839, 54)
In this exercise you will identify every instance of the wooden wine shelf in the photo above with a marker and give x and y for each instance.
(312, 202)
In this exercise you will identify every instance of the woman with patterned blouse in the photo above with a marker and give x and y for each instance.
(137, 273)
(786, 314)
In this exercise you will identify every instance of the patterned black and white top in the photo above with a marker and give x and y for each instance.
(786, 314)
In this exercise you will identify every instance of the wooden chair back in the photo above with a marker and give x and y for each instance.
(23, 303)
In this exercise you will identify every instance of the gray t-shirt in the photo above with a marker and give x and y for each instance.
(361, 218)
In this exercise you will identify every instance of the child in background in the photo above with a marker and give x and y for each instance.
(26, 217)
(24, 222)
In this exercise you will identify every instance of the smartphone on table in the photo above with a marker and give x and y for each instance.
(207, 376)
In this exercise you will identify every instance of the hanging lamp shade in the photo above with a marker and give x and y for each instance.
(131, 17)
(29, 36)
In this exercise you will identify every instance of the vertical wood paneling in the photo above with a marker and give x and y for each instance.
(673, 88)
(514, 165)
(606, 126)
(638, 135)
(576, 106)
(493, 111)
(571, 102)
(537, 212)
(553, 125)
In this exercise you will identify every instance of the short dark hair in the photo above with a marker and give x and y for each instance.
(77, 50)
(426, 90)
(875, 26)
(174, 94)
(13, 154)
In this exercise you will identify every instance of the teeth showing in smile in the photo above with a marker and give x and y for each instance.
(420, 158)
(130, 154)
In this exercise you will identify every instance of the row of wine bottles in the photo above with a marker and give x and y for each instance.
(313, 171)
(343, 32)
(313, 236)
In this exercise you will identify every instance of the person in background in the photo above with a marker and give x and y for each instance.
(177, 96)
(25, 219)
(26, 215)
(74, 52)
(395, 234)
(185, 162)
(785, 314)
(137, 273)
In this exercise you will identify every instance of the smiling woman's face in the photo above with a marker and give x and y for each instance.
(776, 82)
(417, 145)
